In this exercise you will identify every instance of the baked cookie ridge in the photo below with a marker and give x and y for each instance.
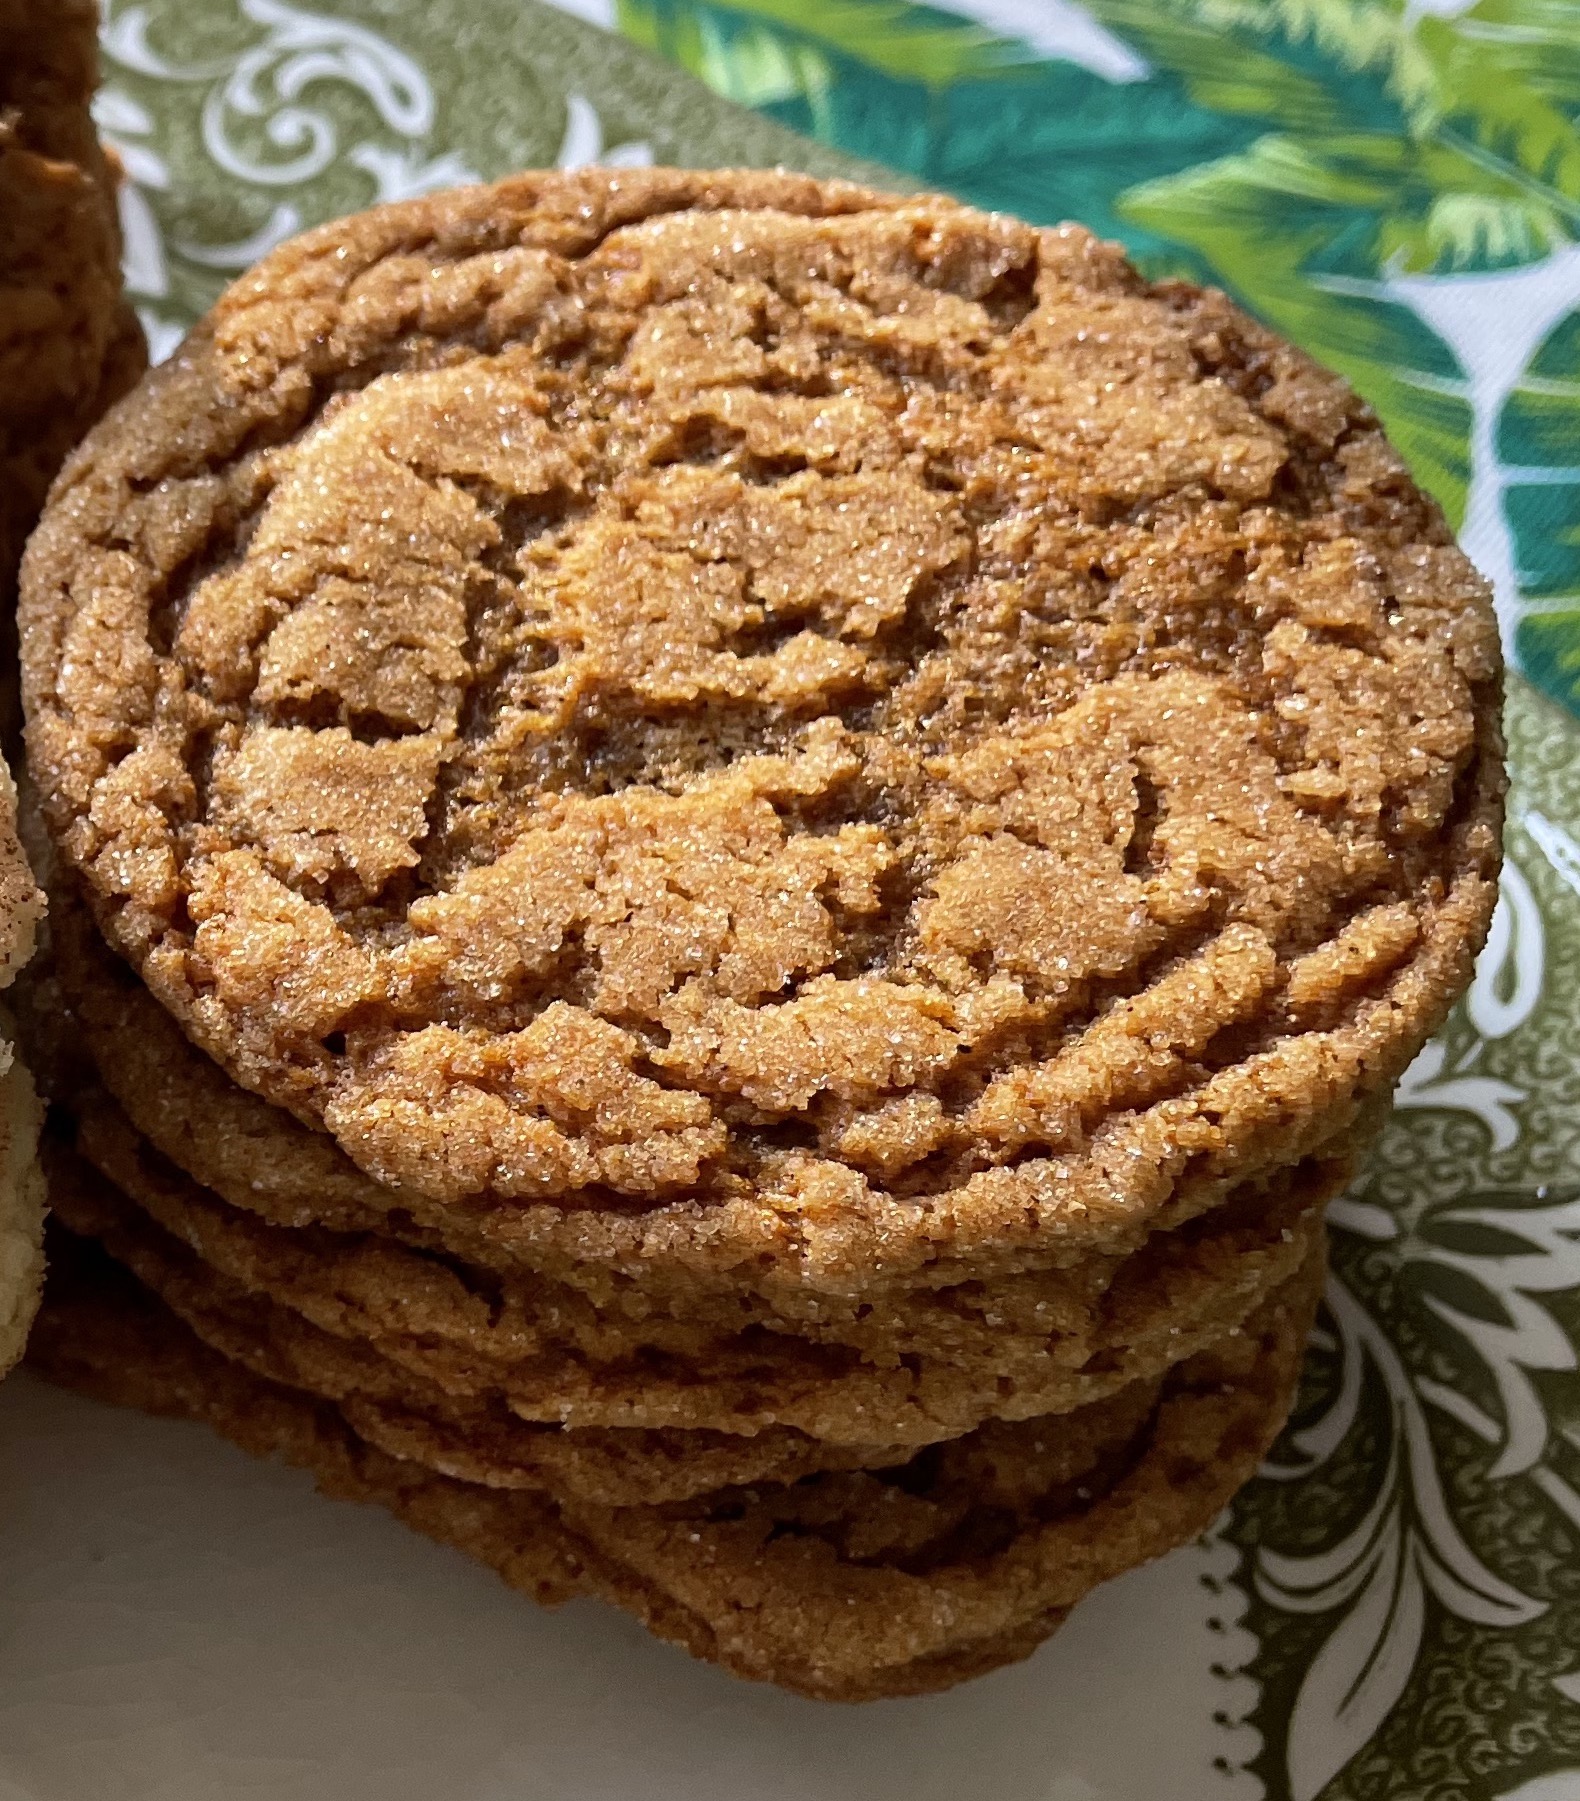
(851, 1594)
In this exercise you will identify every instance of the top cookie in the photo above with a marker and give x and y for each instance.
(662, 689)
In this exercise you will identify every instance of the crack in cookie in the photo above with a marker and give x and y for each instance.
(652, 689)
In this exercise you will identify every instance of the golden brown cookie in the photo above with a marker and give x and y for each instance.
(842, 1586)
(344, 1322)
(462, 1427)
(88, 1010)
(741, 721)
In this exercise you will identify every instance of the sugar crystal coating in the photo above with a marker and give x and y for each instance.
(654, 687)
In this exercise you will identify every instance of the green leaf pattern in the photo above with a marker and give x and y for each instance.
(1422, 1516)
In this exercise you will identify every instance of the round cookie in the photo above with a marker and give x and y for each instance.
(606, 1278)
(444, 1329)
(851, 724)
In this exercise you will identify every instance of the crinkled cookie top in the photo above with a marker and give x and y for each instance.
(642, 685)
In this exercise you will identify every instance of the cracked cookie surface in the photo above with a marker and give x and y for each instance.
(847, 715)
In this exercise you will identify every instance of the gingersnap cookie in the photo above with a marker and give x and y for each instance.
(326, 1301)
(749, 722)
(841, 1586)
(68, 345)
(85, 1009)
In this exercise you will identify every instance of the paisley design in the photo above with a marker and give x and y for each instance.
(262, 122)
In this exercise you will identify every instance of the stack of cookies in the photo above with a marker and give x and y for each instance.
(68, 346)
(735, 861)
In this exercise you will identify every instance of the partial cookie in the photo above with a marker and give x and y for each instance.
(543, 1355)
(22, 1194)
(21, 900)
(754, 722)
(843, 1586)
(68, 347)
(419, 1406)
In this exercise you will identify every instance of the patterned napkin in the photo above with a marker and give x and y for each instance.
(1394, 184)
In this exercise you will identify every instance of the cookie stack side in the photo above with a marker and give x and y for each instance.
(840, 1587)
(735, 845)
(68, 348)
(22, 1187)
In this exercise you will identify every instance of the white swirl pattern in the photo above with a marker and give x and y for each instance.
(262, 127)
